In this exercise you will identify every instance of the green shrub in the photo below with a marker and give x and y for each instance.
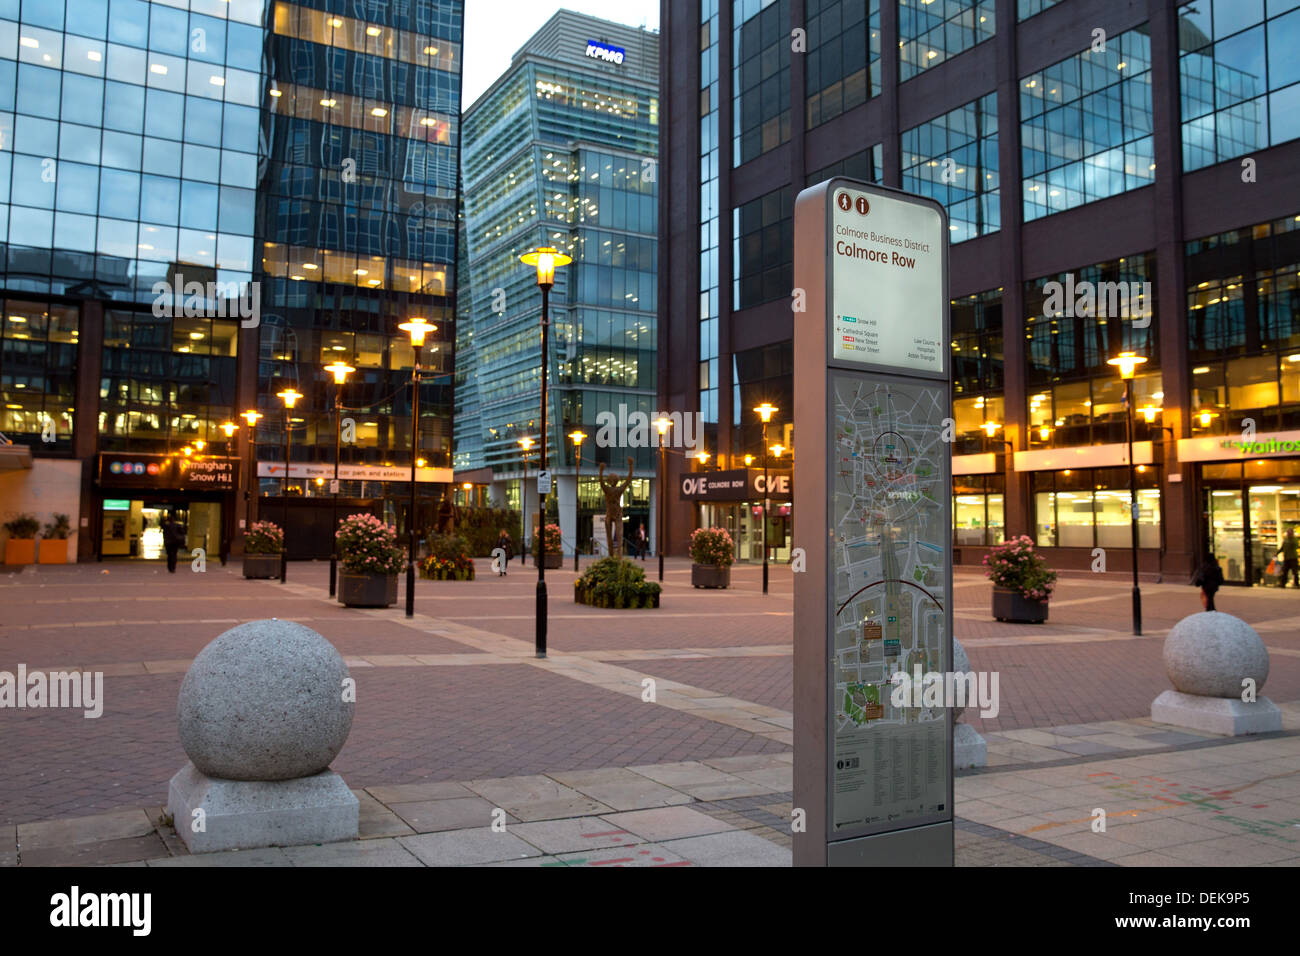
(58, 529)
(481, 527)
(712, 546)
(617, 583)
(23, 527)
(264, 537)
(554, 541)
(368, 546)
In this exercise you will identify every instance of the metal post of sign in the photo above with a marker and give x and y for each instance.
(872, 764)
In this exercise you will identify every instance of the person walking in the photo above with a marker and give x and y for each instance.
(505, 544)
(1209, 578)
(1290, 553)
(173, 540)
(641, 544)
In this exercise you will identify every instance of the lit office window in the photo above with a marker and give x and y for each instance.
(1092, 508)
(760, 77)
(842, 65)
(1086, 126)
(954, 159)
(978, 510)
(1240, 77)
(38, 382)
(932, 31)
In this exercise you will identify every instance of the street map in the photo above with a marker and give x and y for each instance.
(891, 529)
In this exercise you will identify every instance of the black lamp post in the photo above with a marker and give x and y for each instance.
(525, 443)
(340, 373)
(662, 424)
(251, 416)
(545, 259)
(290, 398)
(417, 328)
(765, 412)
(1127, 363)
(577, 437)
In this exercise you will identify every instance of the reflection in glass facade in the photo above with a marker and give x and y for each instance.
(932, 31)
(561, 152)
(842, 65)
(760, 66)
(954, 159)
(356, 226)
(977, 367)
(710, 216)
(763, 249)
(38, 359)
(1085, 126)
(1028, 8)
(866, 165)
(1240, 77)
(764, 374)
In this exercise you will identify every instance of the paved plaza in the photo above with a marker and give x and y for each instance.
(458, 724)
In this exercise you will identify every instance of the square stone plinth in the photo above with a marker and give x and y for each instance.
(968, 748)
(1216, 715)
(242, 814)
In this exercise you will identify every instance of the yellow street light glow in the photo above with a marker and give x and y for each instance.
(187, 451)
(417, 328)
(1045, 432)
(577, 437)
(419, 463)
(1149, 413)
(468, 485)
(289, 396)
(545, 259)
(663, 424)
(340, 371)
(990, 428)
(526, 443)
(778, 450)
(229, 428)
(766, 411)
(251, 417)
(1127, 363)
(749, 460)
(702, 456)
(200, 445)
(1205, 418)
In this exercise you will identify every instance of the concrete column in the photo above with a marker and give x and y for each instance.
(653, 530)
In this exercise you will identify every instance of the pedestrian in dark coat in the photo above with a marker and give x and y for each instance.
(1209, 578)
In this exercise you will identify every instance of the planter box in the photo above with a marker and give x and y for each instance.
(367, 590)
(552, 561)
(52, 551)
(710, 576)
(20, 551)
(1012, 606)
(588, 597)
(261, 565)
(447, 575)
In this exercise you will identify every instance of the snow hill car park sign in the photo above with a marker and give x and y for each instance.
(872, 769)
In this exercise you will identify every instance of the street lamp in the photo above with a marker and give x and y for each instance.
(340, 371)
(290, 398)
(576, 437)
(702, 457)
(749, 460)
(417, 328)
(525, 443)
(251, 416)
(1127, 363)
(545, 259)
(765, 412)
(662, 424)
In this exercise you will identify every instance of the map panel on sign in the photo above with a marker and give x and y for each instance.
(890, 537)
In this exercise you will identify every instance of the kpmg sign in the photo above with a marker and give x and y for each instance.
(610, 54)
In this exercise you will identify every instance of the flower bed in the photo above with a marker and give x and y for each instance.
(1022, 581)
(615, 583)
(368, 546)
(264, 537)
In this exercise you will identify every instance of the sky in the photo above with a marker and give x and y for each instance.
(495, 29)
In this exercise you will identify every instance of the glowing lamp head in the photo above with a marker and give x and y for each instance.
(417, 329)
(1045, 432)
(545, 259)
(778, 450)
(1127, 363)
(468, 485)
(1206, 418)
(289, 396)
(990, 428)
(187, 451)
(200, 445)
(420, 463)
(702, 457)
(251, 417)
(663, 424)
(525, 443)
(340, 371)
(1149, 413)
(749, 460)
(576, 437)
(229, 428)
(766, 411)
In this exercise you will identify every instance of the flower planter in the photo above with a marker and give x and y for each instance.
(589, 597)
(447, 575)
(552, 561)
(52, 551)
(261, 565)
(710, 576)
(20, 551)
(1012, 606)
(367, 590)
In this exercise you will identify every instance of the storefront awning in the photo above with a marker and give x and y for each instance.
(1238, 448)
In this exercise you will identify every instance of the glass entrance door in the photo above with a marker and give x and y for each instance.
(1227, 531)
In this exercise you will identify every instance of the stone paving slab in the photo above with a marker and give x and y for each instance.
(467, 847)
(573, 835)
(385, 852)
(668, 823)
(456, 813)
(621, 789)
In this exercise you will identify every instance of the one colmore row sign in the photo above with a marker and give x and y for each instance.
(739, 484)
(1236, 447)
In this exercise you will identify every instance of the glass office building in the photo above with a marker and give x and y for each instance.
(198, 199)
(562, 151)
(1149, 162)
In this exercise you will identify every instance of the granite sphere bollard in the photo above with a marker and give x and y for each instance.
(1211, 654)
(1212, 659)
(265, 701)
(263, 710)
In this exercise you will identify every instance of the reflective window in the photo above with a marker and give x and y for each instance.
(763, 249)
(932, 31)
(1086, 126)
(842, 63)
(38, 383)
(760, 77)
(954, 159)
(866, 165)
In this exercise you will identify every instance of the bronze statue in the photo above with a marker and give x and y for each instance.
(613, 489)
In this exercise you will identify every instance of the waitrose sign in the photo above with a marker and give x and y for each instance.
(1218, 448)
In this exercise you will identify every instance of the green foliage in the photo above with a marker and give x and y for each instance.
(712, 546)
(448, 559)
(554, 541)
(616, 583)
(59, 529)
(480, 527)
(23, 527)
